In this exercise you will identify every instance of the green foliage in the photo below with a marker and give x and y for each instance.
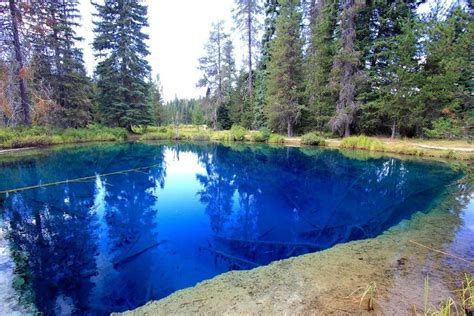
(444, 128)
(261, 136)
(122, 90)
(285, 73)
(362, 142)
(276, 139)
(237, 133)
(313, 139)
(42, 136)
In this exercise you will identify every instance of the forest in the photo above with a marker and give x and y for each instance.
(339, 67)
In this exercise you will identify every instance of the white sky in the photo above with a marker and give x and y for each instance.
(178, 31)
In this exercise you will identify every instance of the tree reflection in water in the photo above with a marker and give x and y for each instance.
(113, 243)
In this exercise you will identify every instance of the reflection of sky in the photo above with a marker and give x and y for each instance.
(463, 242)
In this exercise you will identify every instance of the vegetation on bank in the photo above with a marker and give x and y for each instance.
(39, 136)
(43, 136)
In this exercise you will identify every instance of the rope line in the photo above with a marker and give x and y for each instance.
(140, 169)
(442, 252)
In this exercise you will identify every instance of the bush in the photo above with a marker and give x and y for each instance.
(312, 139)
(362, 142)
(262, 135)
(276, 139)
(444, 128)
(237, 133)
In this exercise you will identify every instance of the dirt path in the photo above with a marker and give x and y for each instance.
(463, 149)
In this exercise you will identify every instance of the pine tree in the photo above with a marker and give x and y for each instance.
(346, 75)
(218, 67)
(446, 92)
(156, 100)
(283, 106)
(246, 17)
(271, 8)
(120, 45)
(319, 60)
(12, 28)
(398, 101)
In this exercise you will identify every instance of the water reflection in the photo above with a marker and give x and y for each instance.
(115, 242)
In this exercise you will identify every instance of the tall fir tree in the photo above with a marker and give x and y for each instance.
(285, 74)
(218, 68)
(319, 60)
(58, 62)
(346, 74)
(120, 45)
(271, 8)
(246, 14)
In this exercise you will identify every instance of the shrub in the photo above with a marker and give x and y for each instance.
(444, 128)
(362, 142)
(262, 135)
(312, 139)
(237, 133)
(276, 139)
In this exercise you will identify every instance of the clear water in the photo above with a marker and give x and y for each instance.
(112, 243)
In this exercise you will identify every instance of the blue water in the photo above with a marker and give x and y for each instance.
(112, 243)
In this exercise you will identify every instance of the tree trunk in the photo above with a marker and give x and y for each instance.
(394, 129)
(249, 34)
(24, 107)
(347, 129)
(290, 129)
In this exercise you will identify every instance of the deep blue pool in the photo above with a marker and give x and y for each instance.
(112, 243)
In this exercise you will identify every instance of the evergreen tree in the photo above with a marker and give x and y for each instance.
(246, 17)
(398, 98)
(120, 45)
(319, 60)
(346, 75)
(446, 92)
(271, 8)
(283, 105)
(156, 100)
(218, 67)
(58, 63)
(11, 17)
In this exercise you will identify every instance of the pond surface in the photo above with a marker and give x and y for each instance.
(190, 212)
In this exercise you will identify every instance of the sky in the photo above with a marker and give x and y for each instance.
(178, 31)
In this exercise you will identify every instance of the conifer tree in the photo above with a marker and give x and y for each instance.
(319, 60)
(58, 63)
(346, 75)
(246, 15)
(120, 46)
(271, 8)
(285, 75)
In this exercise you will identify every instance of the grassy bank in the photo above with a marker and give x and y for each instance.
(44, 136)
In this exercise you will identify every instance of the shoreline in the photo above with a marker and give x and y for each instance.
(331, 281)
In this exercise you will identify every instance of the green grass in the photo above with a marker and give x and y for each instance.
(43, 136)
(362, 142)
(313, 139)
(276, 139)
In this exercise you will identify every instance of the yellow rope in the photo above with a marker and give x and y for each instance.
(77, 179)
(442, 252)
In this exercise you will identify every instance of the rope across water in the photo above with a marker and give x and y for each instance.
(78, 179)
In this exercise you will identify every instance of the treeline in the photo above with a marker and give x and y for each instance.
(371, 67)
(339, 66)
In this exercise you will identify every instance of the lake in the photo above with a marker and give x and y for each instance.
(145, 220)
